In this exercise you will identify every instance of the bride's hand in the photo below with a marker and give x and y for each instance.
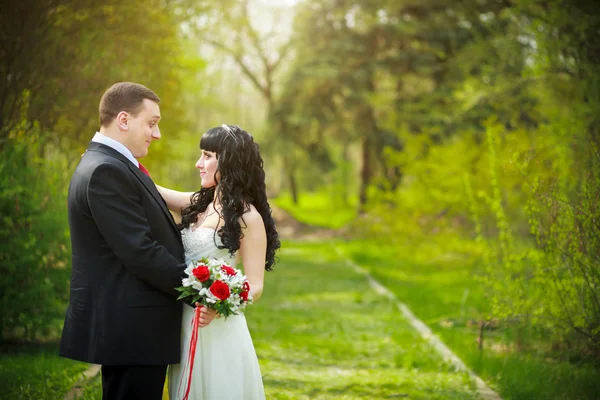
(206, 315)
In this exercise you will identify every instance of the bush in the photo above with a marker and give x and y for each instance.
(522, 207)
(34, 238)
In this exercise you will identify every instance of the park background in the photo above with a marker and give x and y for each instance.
(449, 148)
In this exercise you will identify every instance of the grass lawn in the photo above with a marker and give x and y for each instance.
(320, 333)
(36, 372)
(444, 294)
(315, 209)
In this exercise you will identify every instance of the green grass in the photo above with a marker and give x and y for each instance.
(322, 333)
(36, 372)
(92, 389)
(316, 209)
(446, 296)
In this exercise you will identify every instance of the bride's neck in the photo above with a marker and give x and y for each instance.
(212, 207)
(216, 204)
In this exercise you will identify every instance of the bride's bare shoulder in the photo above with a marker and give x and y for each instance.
(251, 216)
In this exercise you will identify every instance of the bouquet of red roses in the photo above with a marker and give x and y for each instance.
(215, 284)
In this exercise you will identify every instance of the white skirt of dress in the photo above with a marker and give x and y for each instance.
(225, 365)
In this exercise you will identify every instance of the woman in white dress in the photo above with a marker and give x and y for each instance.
(228, 218)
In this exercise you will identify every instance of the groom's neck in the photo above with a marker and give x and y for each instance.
(114, 134)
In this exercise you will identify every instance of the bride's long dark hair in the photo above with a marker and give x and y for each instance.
(241, 183)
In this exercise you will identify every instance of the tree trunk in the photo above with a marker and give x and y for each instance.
(369, 145)
(480, 337)
(366, 173)
(346, 178)
(293, 186)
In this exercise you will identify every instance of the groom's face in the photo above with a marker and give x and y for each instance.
(143, 129)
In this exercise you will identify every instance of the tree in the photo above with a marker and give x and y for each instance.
(236, 29)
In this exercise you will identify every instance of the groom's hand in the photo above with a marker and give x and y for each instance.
(206, 315)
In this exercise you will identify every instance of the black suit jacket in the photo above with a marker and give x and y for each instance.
(127, 260)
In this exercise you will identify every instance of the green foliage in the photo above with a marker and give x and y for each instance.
(34, 240)
(483, 206)
(69, 53)
(563, 219)
(494, 168)
(482, 148)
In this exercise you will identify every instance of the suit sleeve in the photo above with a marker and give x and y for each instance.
(117, 209)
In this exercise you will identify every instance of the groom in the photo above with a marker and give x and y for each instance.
(127, 254)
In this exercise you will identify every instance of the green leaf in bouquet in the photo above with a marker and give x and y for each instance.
(182, 296)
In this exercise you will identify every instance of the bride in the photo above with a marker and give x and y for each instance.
(229, 218)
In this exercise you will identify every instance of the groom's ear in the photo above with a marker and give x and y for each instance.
(123, 120)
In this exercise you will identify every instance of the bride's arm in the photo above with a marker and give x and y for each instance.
(253, 250)
(175, 200)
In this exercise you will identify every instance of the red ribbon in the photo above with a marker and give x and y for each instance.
(191, 352)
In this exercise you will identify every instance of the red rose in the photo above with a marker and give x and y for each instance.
(201, 273)
(220, 290)
(228, 270)
(244, 295)
(246, 286)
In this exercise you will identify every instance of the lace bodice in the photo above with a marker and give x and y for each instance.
(201, 243)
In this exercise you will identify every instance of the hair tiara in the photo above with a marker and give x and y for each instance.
(229, 132)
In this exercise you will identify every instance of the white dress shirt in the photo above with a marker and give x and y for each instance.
(100, 138)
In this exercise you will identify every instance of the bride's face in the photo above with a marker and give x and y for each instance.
(207, 164)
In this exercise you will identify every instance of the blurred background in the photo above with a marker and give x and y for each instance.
(455, 141)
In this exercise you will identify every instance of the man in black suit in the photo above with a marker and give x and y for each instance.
(127, 255)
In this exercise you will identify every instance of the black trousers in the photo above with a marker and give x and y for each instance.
(138, 382)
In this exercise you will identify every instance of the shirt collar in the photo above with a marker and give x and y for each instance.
(105, 140)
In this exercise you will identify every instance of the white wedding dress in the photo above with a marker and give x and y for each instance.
(225, 365)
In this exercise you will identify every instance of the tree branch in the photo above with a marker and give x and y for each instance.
(264, 89)
(254, 36)
(237, 56)
(282, 54)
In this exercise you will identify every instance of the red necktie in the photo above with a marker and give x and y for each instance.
(144, 170)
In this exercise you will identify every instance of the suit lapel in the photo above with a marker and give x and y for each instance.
(143, 178)
(151, 187)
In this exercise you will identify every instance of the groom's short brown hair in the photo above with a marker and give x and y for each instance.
(123, 96)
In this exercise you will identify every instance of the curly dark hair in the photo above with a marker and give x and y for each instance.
(241, 183)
